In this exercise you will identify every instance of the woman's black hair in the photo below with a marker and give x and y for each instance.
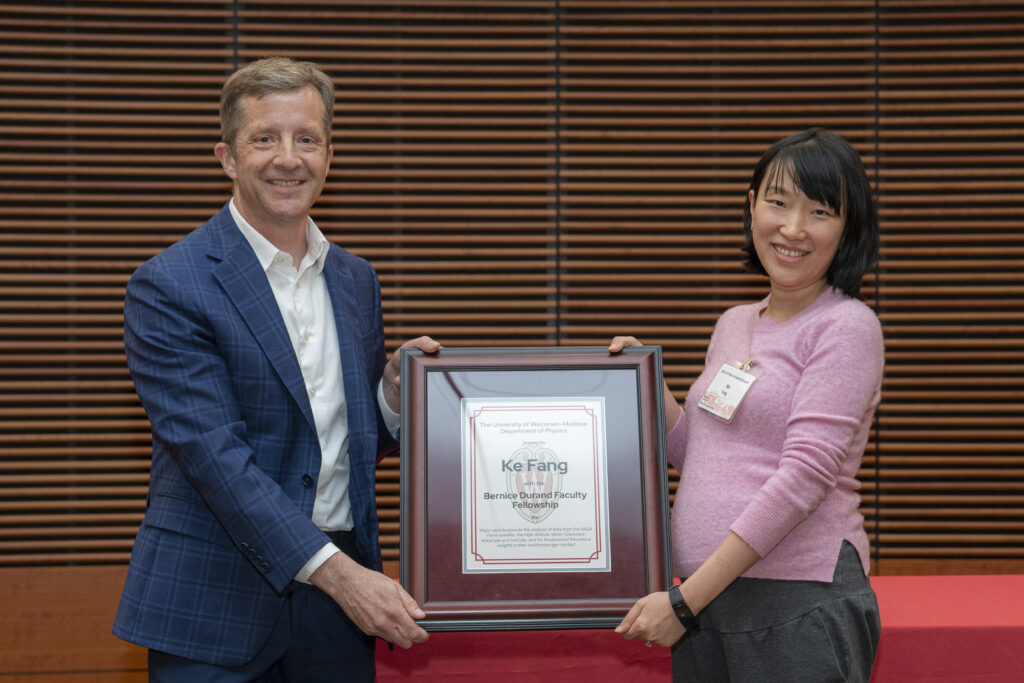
(827, 169)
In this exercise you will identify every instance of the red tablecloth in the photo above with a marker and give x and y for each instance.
(939, 629)
(935, 629)
(586, 656)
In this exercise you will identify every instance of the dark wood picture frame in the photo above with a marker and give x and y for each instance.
(630, 384)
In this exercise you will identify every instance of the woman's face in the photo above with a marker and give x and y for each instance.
(794, 236)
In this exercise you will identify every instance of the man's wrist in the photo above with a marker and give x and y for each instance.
(315, 562)
(392, 420)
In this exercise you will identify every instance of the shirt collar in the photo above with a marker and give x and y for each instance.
(317, 245)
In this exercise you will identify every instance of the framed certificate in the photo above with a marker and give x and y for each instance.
(534, 486)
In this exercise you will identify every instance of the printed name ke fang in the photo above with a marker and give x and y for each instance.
(534, 466)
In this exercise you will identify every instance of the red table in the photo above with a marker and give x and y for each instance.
(935, 629)
(587, 656)
(939, 629)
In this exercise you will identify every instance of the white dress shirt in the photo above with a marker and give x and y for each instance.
(305, 304)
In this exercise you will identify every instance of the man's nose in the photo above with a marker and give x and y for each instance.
(285, 154)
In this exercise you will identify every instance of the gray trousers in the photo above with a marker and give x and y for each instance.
(764, 630)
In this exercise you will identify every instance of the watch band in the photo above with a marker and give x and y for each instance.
(686, 616)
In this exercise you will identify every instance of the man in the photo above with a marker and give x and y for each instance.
(257, 349)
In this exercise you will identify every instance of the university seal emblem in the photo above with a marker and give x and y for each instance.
(535, 481)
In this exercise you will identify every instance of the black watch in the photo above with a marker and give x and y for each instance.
(686, 616)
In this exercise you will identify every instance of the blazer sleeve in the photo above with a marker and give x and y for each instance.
(386, 444)
(179, 360)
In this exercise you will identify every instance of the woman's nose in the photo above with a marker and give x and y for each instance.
(793, 228)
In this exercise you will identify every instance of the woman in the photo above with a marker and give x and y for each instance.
(766, 529)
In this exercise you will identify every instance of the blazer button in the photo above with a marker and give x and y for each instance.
(307, 480)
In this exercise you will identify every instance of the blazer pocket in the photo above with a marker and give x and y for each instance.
(185, 515)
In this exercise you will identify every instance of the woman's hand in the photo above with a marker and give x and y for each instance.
(619, 343)
(652, 619)
(672, 410)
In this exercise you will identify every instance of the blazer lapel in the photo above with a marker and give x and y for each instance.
(340, 286)
(245, 283)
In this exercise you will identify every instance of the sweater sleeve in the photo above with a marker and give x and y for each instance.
(675, 443)
(832, 405)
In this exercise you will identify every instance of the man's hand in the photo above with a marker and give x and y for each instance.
(390, 383)
(378, 605)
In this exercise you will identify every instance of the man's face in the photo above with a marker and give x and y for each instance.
(280, 161)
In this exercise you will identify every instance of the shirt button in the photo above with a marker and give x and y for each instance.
(307, 480)
(312, 392)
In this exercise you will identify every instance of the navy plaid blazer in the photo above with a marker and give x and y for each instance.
(235, 450)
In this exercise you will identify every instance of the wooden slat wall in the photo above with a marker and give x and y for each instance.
(108, 117)
(526, 172)
(949, 473)
(445, 162)
(666, 109)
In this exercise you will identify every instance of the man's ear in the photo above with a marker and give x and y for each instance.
(226, 158)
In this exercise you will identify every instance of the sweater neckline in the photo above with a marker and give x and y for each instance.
(766, 323)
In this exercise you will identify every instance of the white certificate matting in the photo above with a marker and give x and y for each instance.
(534, 485)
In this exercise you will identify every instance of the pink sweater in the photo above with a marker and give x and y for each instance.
(782, 474)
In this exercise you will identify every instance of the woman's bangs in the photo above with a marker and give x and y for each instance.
(814, 172)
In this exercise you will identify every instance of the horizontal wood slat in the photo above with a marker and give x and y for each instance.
(110, 113)
(534, 173)
(924, 181)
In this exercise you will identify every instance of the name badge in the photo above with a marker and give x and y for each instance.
(726, 391)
